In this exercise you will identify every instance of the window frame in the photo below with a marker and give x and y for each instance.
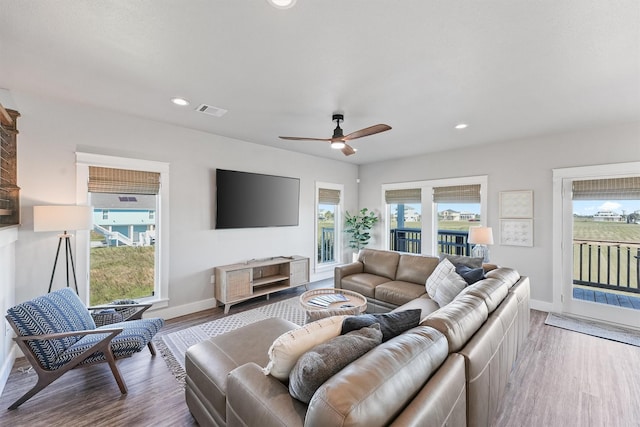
(329, 266)
(83, 161)
(429, 213)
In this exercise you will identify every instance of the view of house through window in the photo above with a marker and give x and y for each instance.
(606, 241)
(123, 241)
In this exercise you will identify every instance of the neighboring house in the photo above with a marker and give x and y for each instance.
(607, 216)
(450, 215)
(124, 219)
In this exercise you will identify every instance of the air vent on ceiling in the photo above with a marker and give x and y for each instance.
(211, 110)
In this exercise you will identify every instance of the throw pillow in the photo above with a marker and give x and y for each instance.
(288, 347)
(325, 360)
(391, 324)
(444, 283)
(463, 260)
(470, 275)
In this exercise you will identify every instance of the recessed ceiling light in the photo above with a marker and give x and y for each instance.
(282, 4)
(461, 125)
(180, 101)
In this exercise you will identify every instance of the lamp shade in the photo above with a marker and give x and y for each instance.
(481, 235)
(62, 218)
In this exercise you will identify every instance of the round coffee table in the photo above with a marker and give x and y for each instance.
(354, 304)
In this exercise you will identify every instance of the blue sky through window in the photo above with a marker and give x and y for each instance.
(591, 207)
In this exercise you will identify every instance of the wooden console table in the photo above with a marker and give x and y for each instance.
(235, 283)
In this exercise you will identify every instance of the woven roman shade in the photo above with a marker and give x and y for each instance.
(123, 181)
(408, 195)
(327, 196)
(457, 194)
(607, 189)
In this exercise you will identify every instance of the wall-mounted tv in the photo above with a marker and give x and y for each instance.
(247, 200)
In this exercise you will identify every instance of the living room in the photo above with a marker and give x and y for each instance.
(69, 109)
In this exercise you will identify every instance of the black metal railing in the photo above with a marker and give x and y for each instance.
(449, 241)
(607, 265)
(326, 243)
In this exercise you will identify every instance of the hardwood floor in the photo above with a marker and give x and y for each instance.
(561, 379)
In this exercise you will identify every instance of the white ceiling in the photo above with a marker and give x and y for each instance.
(510, 69)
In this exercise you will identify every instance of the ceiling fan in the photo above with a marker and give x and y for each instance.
(339, 140)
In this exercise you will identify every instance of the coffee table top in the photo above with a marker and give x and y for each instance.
(355, 303)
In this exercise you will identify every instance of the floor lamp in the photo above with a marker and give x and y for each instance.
(481, 237)
(65, 219)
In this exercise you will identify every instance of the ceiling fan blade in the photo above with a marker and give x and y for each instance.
(371, 130)
(348, 150)
(296, 138)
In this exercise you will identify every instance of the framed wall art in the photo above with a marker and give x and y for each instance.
(516, 204)
(516, 232)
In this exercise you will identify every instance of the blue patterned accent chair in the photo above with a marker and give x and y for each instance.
(56, 333)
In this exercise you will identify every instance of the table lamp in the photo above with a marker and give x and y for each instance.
(65, 219)
(480, 237)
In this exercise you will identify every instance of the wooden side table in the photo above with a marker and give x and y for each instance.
(354, 305)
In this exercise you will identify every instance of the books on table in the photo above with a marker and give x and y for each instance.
(325, 300)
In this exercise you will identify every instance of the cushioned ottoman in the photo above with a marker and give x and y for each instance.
(209, 362)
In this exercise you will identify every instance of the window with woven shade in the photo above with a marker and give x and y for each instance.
(328, 218)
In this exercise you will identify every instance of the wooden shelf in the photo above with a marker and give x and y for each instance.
(235, 283)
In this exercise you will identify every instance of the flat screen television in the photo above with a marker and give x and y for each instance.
(248, 200)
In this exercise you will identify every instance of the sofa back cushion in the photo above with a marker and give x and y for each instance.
(492, 291)
(379, 263)
(58, 311)
(458, 320)
(507, 275)
(415, 268)
(376, 387)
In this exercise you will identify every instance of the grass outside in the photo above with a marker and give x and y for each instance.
(121, 272)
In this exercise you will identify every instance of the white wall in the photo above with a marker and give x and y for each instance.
(52, 131)
(8, 236)
(512, 165)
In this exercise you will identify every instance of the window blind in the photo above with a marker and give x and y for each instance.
(457, 194)
(607, 189)
(123, 181)
(327, 196)
(408, 195)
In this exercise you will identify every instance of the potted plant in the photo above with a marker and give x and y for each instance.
(358, 226)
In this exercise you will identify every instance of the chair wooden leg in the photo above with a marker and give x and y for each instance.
(152, 349)
(42, 382)
(116, 372)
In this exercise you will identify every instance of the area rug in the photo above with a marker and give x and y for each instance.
(173, 346)
(596, 329)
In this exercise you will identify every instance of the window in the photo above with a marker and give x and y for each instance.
(329, 225)
(405, 224)
(597, 242)
(431, 217)
(125, 251)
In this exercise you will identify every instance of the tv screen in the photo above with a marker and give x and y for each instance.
(246, 200)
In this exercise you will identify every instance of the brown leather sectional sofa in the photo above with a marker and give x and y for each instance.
(451, 370)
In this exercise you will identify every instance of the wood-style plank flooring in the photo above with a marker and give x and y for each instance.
(561, 379)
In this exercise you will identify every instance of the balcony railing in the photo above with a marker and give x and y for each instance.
(449, 241)
(607, 265)
(327, 242)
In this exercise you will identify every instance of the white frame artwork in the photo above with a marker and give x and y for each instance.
(516, 232)
(516, 204)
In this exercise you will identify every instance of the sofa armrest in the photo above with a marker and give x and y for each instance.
(254, 398)
(346, 270)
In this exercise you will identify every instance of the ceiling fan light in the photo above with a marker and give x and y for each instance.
(282, 4)
(337, 145)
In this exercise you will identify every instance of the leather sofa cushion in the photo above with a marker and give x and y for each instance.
(424, 303)
(208, 363)
(507, 275)
(363, 283)
(491, 290)
(459, 320)
(415, 268)
(442, 402)
(377, 386)
(380, 263)
(398, 293)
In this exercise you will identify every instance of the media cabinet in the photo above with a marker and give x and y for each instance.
(235, 283)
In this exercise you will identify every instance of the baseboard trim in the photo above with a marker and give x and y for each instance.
(5, 370)
(541, 305)
(183, 310)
